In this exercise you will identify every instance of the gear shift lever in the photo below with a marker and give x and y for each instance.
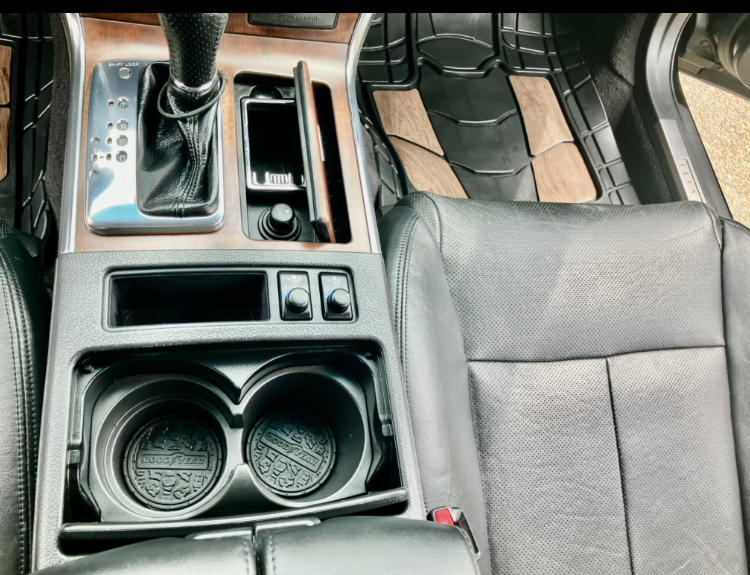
(178, 144)
(193, 40)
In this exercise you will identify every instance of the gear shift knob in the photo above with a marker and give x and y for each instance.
(193, 40)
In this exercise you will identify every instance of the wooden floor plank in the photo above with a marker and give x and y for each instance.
(543, 118)
(4, 125)
(5, 57)
(428, 172)
(403, 114)
(561, 176)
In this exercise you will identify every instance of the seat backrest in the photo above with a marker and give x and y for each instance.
(24, 331)
(588, 347)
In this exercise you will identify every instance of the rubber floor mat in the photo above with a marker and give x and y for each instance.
(25, 99)
(460, 63)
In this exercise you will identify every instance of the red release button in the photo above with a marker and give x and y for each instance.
(443, 516)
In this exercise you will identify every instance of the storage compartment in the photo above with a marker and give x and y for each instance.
(158, 443)
(187, 297)
(172, 461)
(271, 155)
(308, 437)
(273, 152)
(206, 434)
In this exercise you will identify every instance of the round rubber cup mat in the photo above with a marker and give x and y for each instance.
(292, 451)
(172, 462)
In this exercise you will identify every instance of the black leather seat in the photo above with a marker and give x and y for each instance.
(362, 545)
(24, 329)
(573, 373)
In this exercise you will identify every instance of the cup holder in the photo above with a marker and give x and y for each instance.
(172, 462)
(176, 445)
(292, 451)
(308, 436)
(158, 444)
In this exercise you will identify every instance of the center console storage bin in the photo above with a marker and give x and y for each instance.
(215, 433)
(270, 154)
(175, 297)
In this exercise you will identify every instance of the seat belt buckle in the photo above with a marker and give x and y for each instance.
(455, 517)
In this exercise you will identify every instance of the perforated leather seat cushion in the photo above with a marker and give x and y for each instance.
(567, 377)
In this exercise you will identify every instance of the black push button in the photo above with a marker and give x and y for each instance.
(295, 19)
(297, 300)
(337, 300)
(294, 293)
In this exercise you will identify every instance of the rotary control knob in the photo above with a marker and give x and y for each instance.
(297, 300)
(279, 223)
(339, 301)
(281, 219)
(336, 297)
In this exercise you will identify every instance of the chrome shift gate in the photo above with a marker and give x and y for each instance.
(111, 199)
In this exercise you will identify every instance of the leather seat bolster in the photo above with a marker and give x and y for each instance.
(546, 282)
(485, 290)
(736, 288)
(228, 556)
(435, 370)
(362, 545)
(24, 325)
(367, 546)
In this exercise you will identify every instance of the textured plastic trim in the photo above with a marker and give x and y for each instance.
(94, 531)
(671, 124)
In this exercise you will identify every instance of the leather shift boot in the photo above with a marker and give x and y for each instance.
(178, 166)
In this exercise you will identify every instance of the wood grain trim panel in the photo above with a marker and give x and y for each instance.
(543, 118)
(403, 114)
(341, 34)
(108, 40)
(561, 176)
(6, 53)
(4, 134)
(238, 24)
(427, 171)
(314, 157)
(149, 18)
(405, 120)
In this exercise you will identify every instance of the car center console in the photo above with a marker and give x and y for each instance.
(222, 350)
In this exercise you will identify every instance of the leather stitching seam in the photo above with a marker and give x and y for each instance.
(247, 555)
(27, 367)
(403, 292)
(713, 223)
(181, 199)
(402, 257)
(736, 225)
(273, 555)
(403, 325)
(20, 414)
(439, 224)
(479, 447)
(25, 467)
(179, 202)
(619, 464)
(588, 357)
